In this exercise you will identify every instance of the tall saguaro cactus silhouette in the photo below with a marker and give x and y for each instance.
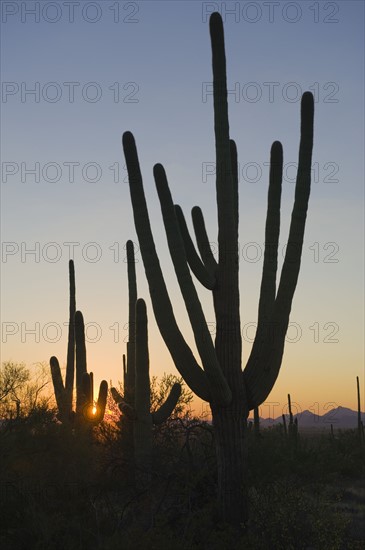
(231, 391)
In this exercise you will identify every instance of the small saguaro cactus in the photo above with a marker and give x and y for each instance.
(64, 392)
(86, 410)
(293, 424)
(141, 415)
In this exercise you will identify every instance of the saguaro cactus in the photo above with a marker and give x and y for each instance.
(126, 405)
(293, 424)
(129, 362)
(136, 420)
(231, 391)
(360, 425)
(142, 417)
(64, 392)
(86, 410)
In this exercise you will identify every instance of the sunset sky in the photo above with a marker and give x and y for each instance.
(98, 69)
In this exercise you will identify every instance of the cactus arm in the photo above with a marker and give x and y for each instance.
(220, 390)
(200, 271)
(263, 366)
(116, 395)
(183, 358)
(132, 298)
(58, 386)
(80, 360)
(124, 407)
(291, 265)
(102, 398)
(88, 407)
(234, 169)
(272, 230)
(88, 387)
(202, 240)
(70, 365)
(88, 398)
(163, 412)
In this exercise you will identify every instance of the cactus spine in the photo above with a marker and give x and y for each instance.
(230, 391)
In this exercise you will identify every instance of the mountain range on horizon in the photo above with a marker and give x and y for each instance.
(341, 418)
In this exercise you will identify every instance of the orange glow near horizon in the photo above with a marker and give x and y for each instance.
(317, 387)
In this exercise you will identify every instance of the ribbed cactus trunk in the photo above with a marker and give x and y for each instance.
(229, 429)
(230, 421)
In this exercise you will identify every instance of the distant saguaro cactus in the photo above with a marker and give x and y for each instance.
(230, 391)
(360, 425)
(293, 424)
(86, 410)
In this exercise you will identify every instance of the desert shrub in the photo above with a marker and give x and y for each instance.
(66, 488)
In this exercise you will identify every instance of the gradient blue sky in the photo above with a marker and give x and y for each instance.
(159, 54)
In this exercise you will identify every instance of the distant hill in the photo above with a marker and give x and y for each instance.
(341, 418)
